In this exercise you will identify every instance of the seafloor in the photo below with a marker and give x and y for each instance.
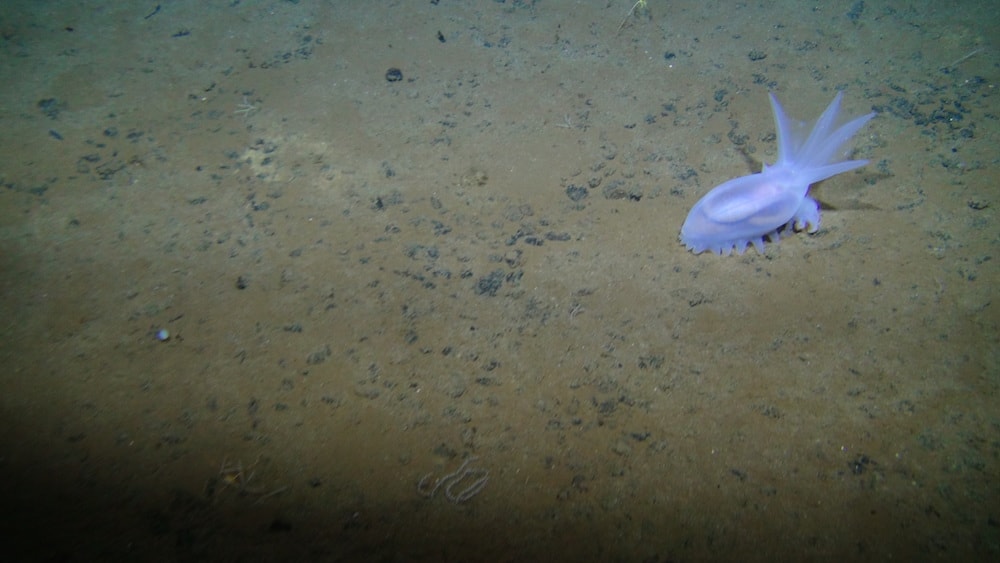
(418, 267)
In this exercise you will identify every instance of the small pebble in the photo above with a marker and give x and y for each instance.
(393, 75)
